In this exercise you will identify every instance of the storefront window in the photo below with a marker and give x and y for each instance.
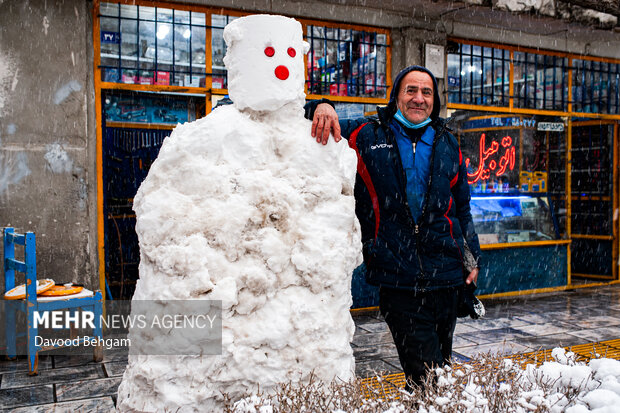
(161, 46)
(490, 145)
(540, 81)
(152, 45)
(507, 159)
(478, 75)
(596, 87)
(346, 62)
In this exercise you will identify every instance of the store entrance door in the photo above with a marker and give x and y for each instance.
(594, 188)
(134, 128)
(127, 156)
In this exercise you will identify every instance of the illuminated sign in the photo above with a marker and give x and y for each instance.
(500, 121)
(494, 165)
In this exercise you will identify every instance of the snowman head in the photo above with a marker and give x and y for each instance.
(265, 61)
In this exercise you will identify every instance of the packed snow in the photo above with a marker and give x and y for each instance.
(557, 386)
(244, 206)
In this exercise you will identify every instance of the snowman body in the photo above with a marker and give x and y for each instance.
(243, 206)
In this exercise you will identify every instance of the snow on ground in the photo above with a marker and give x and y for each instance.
(499, 385)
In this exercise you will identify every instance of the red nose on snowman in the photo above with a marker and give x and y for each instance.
(281, 72)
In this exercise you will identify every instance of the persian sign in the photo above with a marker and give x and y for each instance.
(496, 158)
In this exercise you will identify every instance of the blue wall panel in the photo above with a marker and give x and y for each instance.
(504, 270)
(515, 269)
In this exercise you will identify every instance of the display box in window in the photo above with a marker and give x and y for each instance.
(191, 80)
(110, 75)
(162, 78)
(129, 76)
(146, 78)
(343, 52)
(353, 88)
(364, 48)
(217, 82)
(338, 89)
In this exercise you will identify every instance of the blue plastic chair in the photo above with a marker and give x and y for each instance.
(30, 304)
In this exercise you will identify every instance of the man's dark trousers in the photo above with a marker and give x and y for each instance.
(422, 325)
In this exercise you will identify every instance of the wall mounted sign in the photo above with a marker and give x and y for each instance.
(550, 126)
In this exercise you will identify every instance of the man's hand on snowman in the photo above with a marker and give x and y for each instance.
(325, 121)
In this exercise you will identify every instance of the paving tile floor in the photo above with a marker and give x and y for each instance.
(512, 325)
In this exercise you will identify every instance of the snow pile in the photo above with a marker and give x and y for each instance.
(570, 11)
(486, 385)
(245, 207)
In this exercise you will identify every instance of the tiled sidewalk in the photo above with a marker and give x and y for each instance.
(515, 325)
(64, 384)
(512, 325)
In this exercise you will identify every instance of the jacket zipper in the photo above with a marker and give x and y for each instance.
(416, 229)
(430, 175)
(428, 190)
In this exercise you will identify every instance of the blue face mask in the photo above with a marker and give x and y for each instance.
(408, 124)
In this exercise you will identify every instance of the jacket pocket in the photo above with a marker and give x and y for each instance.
(381, 256)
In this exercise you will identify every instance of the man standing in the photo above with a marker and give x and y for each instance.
(412, 201)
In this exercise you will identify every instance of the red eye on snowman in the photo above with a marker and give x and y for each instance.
(281, 71)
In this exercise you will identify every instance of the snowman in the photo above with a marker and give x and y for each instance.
(243, 206)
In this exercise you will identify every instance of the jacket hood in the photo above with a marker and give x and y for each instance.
(392, 108)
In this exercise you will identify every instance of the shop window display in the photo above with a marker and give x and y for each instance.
(507, 159)
(152, 45)
(540, 81)
(478, 75)
(346, 62)
(512, 218)
(159, 46)
(596, 87)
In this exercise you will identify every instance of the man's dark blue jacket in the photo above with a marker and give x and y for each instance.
(397, 252)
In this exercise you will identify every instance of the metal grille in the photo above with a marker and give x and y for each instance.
(346, 62)
(152, 45)
(596, 87)
(478, 75)
(540, 81)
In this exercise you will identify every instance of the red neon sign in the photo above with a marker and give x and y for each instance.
(506, 161)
